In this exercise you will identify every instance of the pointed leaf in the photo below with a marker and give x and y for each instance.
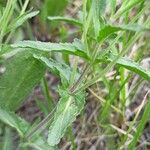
(20, 20)
(70, 48)
(141, 125)
(110, 29)
(127, 5)
(66, 19)
(128, 64)
(8, 139)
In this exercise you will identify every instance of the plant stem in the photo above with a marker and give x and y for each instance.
(122, 70)
(78, 82)
(97, 78)
(44, 122)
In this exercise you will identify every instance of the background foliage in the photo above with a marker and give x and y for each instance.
(98, 51)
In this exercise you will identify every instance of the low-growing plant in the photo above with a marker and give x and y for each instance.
(107, 35)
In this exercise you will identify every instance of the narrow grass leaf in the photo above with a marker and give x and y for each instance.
(128, 5)
(113, 6)
(47, 95)
(141, 125)
(20, 20)
(8, 139)
(66, 19)
(41, 105)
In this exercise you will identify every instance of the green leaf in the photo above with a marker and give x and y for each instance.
(132, 66)
(4, 48)
(141, 125)
(127, 5)
(75, 48)
(98, 9)
(56, 67)
(41, 105)
(8, 139)
(128, 64)
(66, 19)
(50, 8)
(20, 20)
(113, 6)
(102, 6)
(110, 29)
(67, 110)
(22, 74)
(14, 121)
(38, 144)
(47, 95)
(62, 70)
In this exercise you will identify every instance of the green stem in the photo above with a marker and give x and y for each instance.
(122, 70)
(47, 94)
(44, 122)
(97, 78)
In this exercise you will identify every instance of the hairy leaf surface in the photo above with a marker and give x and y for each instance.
(67, 110)
(22, 73)
(75, 48)
(60, 69)
(98, 9)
